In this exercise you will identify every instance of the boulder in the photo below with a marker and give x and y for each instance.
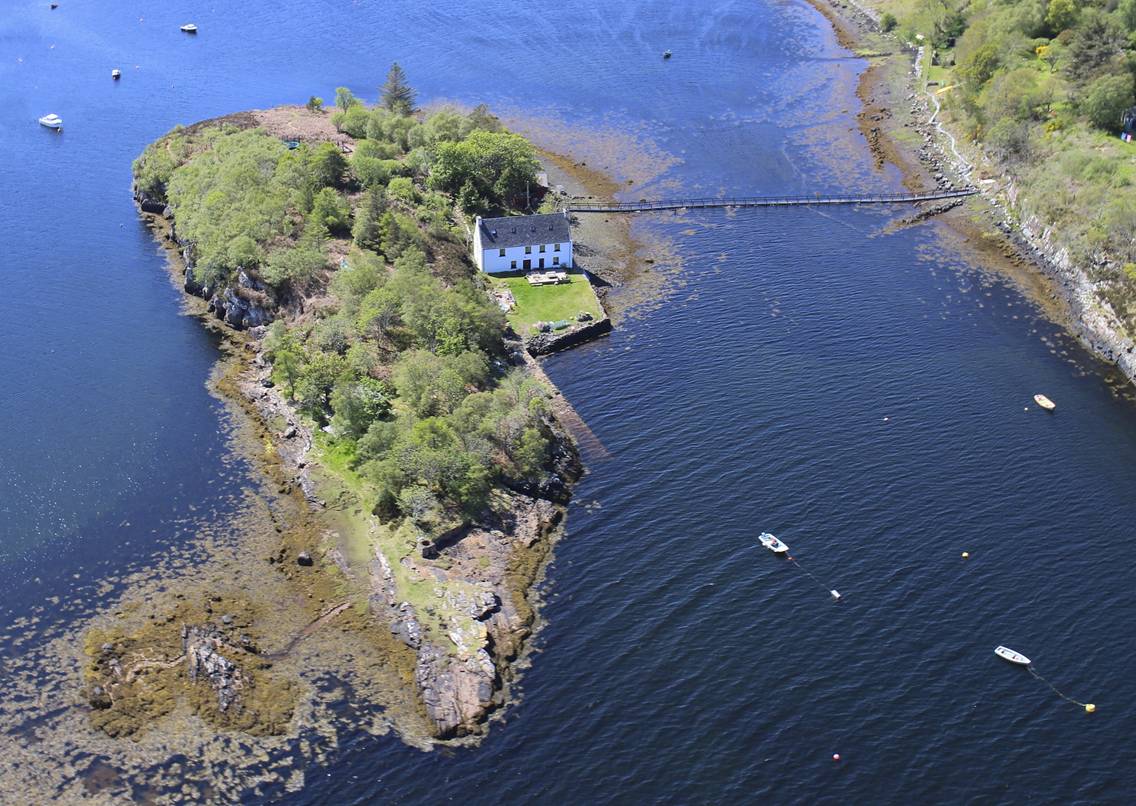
(304, 558)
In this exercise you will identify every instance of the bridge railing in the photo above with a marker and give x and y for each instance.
(581, 204)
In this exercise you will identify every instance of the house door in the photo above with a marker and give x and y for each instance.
(528, 265)
(542, 263)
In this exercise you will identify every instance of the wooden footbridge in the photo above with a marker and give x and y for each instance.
(581, 205)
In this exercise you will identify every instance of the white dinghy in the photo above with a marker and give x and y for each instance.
(1005, 653)
(772, 543)
(51, 121)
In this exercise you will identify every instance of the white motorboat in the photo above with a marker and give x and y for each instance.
(189, 28)
(772, 543)
(52, 121)
(1005, 653)
(1044, 402)
(116, 74)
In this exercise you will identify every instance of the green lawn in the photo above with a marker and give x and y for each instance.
(549, 303)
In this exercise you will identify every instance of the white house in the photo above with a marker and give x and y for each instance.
(522, 243)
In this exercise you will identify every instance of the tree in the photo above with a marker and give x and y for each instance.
(328, 165)
(397, 94)
(315, 104)
(1060, 15)
(294, 267)
(1127, 12)
(317, 377)
(888, 22)
(979, 65)
(358, 402)
(499, 166)
(1106, 100)
(283, 350)
(366, 231)
(344, 98)
(330, 212)
(1098, 40)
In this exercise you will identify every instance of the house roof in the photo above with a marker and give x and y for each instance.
(524, 230)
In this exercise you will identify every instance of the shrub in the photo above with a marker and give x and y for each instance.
(1106, 100)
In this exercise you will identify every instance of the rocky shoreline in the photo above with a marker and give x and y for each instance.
(893, 100)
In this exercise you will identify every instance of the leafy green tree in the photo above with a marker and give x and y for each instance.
(330, 212)
(1097, 44)
(345, 99)
(317, 377)
(284, 351)
(328, 165)
(402, 188)
(397, 94)
(888, 22)
(498, 166)
(357, 403)
(315, 104)
(1060, 15)
(294, 266)
(352, 121)
(430, 384)
(1106, 99)
(1126, 11)
(978, 67)
(366, 231)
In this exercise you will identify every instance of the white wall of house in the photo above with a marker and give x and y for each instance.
(493, 262)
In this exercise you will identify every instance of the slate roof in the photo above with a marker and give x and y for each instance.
(524, 230)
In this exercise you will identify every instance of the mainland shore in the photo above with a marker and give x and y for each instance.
(898, 120)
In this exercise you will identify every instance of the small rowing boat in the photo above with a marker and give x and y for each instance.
(189, 28)
(1044, 402)
(1005, 653)
(772, 543)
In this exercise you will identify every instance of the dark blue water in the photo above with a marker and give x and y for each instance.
(859, 394)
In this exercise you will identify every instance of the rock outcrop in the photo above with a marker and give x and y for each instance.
(480, 613)
(205, 663)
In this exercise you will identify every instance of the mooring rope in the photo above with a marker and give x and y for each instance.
(1086, 705)
(815, 578)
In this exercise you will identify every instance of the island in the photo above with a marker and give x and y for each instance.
(418, 470)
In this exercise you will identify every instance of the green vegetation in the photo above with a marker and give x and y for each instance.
(549, 303)
(1043, 85)
(401, 358)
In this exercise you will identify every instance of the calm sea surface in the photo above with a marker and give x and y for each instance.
(859, 394)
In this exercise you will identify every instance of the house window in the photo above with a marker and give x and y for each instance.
(556, 247)
(513, 265)
(528, 250)
(501, 253)
(556, 260)
(542, 249)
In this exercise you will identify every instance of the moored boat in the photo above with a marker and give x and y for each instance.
(666, 54)
(116, 74)
(1005, 653)
(772, 543)
(51, 121)
(189, 28)
(1044, 402)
